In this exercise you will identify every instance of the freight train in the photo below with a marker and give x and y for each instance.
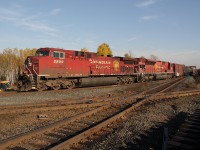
(53, 68)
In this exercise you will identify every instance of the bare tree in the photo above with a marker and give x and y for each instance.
(128, 55)
(84, 50)
(12, 62)
(153, 57)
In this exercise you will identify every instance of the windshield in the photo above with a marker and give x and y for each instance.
(42, 53)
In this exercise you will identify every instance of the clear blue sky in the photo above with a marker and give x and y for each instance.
(169, 29)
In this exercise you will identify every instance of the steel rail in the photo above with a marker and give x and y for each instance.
(164, 85)
(21, 137)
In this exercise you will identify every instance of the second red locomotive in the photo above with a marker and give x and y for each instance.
(53, 68)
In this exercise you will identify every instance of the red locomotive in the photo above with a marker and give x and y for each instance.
(53, 68)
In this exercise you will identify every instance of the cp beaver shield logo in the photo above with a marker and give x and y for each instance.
(116, 65)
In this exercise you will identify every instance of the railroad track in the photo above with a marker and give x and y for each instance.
(69, 104)
(166, 87)
(87, 126)
(86, 103)
(59, 105)
(187, 137)
(45, 108)
(67, 91)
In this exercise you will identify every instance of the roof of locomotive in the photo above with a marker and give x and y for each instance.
(55, 49)
(63, 50)
(121, 58)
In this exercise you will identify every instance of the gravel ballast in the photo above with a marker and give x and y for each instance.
(143, 130)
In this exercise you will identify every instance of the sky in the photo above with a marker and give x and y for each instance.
(168, 29)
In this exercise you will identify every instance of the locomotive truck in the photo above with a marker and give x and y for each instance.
(53, 68)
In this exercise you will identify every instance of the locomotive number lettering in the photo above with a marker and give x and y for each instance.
(58, 61)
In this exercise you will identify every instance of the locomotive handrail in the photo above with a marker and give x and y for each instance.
(35, 71)
(28, 69)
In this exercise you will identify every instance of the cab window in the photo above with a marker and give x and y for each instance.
(59, 55)
(56, 54)
(42, 53)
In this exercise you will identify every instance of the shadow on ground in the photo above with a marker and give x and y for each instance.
(153, 139)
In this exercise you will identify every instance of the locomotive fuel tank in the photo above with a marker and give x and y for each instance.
(162, 76)
(98, 81)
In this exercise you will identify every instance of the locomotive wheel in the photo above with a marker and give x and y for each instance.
(119, 81)
(53, 84)
(42, 87)
(56, 87)
(70, 86)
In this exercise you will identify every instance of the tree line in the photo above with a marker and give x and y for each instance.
(12, 62)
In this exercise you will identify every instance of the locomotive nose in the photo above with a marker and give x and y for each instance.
(31, 64)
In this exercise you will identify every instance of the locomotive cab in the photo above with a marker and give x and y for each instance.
(29, 79)
(47, 65)
(41, 52)
(32, 62)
